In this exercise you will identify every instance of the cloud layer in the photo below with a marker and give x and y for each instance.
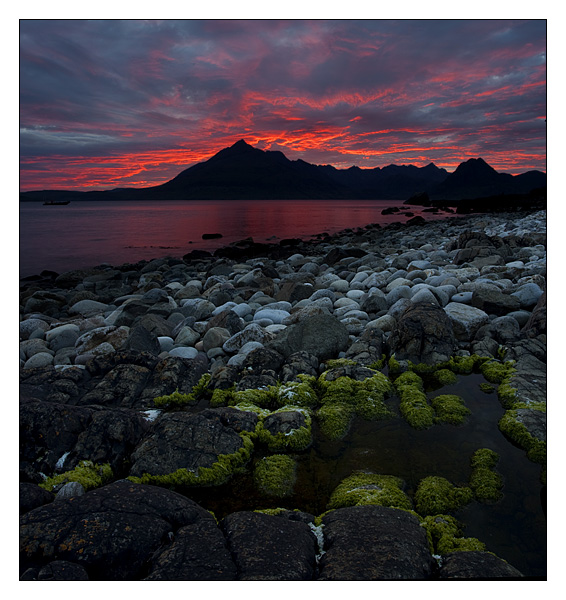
(107, 104)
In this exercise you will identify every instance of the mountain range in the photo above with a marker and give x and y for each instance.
(242, 172)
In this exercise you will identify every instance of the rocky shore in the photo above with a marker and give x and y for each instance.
(147, 388)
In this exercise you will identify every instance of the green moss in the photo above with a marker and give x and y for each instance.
(445, 377)
(450, 408)
(369, 488)
(415, 408)
(487, 388)
(485, 482)
(87, 473)
(444, 533)
(497, 372)
(298, 393)
(394, 366)
(518, 433)
(370, 406)
(464, 365)
(217, 474)
(223, 397)
(436, 495)
(423, 368)
(408, 379)
(334, 419)
(507, 395)
(339, 390)
(291, 441)
(379, 364)
(334, 363)
(260, 397)
(174, 400)
(275, 475)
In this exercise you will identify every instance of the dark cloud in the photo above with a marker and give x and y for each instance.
(161, 95)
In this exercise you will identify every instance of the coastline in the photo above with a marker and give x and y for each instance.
(252, 316)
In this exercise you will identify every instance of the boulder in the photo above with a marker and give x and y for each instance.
(112, 531)
(322, 335)
(197, 552)
(423, 334)
(368, 543)
(270, 547)
(476, 565)
(466, 320)
(193, 441)
(493, 301)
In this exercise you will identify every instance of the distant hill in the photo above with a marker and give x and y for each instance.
(244, 172)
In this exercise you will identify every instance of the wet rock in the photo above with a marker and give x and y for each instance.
(368, 347)
(476, 565)
(49, 430)
(32, 496)
(536, 324)
(110, 437)
(197, 552)
(102, 527)
(192, 441)
(374, 542)
(299, 363)
(423, 334)
(121, 387)
(322, 335)
(58, 570)
(270, 548)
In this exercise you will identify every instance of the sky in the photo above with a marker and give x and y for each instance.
(131, 103)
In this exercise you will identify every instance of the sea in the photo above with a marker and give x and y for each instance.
(88, 233)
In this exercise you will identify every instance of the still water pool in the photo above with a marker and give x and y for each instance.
(514, 528)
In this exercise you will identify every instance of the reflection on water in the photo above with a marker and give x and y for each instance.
(514, 528)
(86, 233)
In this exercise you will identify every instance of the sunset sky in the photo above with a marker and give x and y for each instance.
(107, 104)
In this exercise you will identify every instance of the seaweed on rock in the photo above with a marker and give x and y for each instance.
(276, 475)
(87, 473)
(436, 495)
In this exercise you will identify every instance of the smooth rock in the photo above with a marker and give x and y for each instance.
(40, 359)
(184, 352)
(466, 320)
(273, 315)
(88, 308)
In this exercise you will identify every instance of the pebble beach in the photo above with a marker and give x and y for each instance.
(111, 339)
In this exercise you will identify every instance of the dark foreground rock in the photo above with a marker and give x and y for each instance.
(374, 542)
(267, 547)
(476, 565)
(113, 531)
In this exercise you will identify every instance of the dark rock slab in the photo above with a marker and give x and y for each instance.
(112, 531)
(269, 547)
(110, 437)
(58, 570)
(299, 363)
(32, 496)
(198, 552)
(47, 431)
(476, 565)
(423, 334)
(374, 542)
(494, 301)
(182, 440)
(121, 387)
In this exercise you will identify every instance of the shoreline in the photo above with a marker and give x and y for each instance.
(250, 347)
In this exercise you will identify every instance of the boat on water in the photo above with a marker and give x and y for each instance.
(56, 202)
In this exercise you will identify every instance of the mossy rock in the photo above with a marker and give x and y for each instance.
(276, 475)
(87, 473)
(511, 426)
(217, 474)
(175, 400)
(360, 489)
(436, 495)
(289, 439)
(370, 405)
(334, 419)
(415, 408)
(485, 482)
(496, 371)
(298, 393)
(444, 534)
(450, 408)
(408, 379)
(445, 377)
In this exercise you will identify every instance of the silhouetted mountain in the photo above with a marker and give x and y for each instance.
(244, 172)
(476, 179)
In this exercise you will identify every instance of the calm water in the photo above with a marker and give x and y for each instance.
(85, 234)
(514, 528)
